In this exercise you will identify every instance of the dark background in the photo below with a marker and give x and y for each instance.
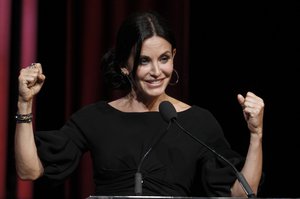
(247, 46)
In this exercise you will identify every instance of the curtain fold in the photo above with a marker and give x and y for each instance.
(28, 45)
(5, 13)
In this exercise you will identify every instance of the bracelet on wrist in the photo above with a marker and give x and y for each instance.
(23, 118)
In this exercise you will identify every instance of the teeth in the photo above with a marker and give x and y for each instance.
(154, 81)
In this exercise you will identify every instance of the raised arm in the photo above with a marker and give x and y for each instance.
(253, 110)
(28, 164)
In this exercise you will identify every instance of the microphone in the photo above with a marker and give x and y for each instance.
(169, 114)
(138, 180)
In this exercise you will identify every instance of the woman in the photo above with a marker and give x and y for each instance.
(119, 133)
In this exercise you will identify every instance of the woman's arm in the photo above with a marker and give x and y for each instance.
(253, 109)
(28, 164)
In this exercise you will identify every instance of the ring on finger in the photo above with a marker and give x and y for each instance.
(32, 65)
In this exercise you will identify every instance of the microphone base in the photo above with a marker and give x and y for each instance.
(138, 184)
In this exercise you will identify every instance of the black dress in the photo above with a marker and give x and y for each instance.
(177, 166)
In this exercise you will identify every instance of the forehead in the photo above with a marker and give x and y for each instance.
(155, 44)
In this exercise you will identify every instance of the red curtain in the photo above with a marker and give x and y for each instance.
(28, 35)
(4, 76)
(69, 39)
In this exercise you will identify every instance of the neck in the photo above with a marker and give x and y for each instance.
(145, 104)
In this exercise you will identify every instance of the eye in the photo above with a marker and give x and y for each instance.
(143, 61)
(164, 59)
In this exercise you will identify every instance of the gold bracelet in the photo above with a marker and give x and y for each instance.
(23, 118)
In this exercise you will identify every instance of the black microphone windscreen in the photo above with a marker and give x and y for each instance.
(167, 111)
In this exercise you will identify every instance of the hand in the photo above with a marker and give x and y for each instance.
(31, 80)
(253, 110)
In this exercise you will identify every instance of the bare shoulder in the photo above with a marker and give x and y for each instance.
(114, 103)
(179, 105)
(118, 104)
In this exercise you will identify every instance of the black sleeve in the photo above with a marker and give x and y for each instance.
(214, 175)
(217, 176)
(60, 150)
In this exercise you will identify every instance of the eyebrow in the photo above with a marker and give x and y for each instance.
(166, 52)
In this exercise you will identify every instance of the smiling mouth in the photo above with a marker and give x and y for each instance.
(155, 82)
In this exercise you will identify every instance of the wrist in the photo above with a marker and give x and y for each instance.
(256, 132)
(23, 118)
(24, 107)
(256, 138)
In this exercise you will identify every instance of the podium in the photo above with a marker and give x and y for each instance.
(154, 197)
(168, 197)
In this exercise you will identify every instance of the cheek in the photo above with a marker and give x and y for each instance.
(167, 70)
(141, 72)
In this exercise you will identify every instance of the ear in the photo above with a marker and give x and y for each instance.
(174, 52)
(124, 71)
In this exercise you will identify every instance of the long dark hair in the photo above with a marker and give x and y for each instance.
(133, 32)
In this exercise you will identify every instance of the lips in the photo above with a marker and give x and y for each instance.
(155, 82)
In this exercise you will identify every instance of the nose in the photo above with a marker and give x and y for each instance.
(155, 69)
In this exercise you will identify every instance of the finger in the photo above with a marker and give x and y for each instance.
(254, 102)
(35, 67)
(29, 77)
(32, 65)
(39, 67)
(240, 99)
(26, 76)
(31, 81)
(252, 96)
(249, 110)
(41, 78)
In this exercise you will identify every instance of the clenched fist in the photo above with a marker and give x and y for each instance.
(31, 80)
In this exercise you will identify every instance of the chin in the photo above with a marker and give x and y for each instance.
(155, 94)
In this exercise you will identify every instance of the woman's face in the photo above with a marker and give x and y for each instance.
(155, 67)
